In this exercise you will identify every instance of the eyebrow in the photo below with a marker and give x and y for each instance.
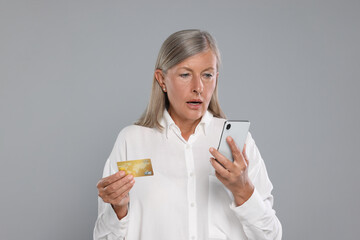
(189, 69)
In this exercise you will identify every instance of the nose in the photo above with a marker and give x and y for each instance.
(198, 85)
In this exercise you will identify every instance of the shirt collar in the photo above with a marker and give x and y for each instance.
(167, 122)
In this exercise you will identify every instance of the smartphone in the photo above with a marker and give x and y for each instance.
(238, 130)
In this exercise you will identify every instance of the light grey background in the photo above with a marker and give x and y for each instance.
(73, 73)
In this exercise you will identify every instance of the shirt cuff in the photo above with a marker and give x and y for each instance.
(116, 226)
(252, 210)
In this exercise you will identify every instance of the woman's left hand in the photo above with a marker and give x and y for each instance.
(234, 175)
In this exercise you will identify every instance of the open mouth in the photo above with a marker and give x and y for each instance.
(194, 102)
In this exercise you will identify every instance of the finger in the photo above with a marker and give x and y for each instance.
(222, 160)
(245, 156)
(121, 197)
(110, 179)
(221, 178)
(219, 169)
(121, 192)
(238, 157)
(115, 186)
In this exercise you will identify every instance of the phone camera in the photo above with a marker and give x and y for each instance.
(228, 126)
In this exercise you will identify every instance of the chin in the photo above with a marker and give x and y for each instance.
(195, 115)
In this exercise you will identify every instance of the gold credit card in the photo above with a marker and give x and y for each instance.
(137, 168)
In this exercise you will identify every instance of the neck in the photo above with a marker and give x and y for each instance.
(187, 127)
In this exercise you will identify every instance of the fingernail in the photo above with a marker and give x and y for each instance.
(122, 173)
(130, 177)
(211, 149)
(229, 138)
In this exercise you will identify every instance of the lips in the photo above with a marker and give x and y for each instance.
(194, 102)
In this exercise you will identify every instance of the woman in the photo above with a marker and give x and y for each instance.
(188, 197)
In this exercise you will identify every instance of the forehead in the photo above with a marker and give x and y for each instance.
(203, 60)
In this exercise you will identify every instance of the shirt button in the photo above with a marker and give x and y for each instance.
(193, 237)
(188, 146)
(192, 204)
(191, 174)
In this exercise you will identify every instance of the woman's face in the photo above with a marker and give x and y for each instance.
(189, 86)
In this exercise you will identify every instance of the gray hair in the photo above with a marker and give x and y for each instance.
(175, 49)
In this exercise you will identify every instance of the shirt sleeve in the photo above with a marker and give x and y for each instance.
(107, 225)
(257, 215)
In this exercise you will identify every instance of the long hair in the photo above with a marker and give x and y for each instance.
(175, 49)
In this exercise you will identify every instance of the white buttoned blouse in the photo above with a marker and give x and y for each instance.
(184, 199)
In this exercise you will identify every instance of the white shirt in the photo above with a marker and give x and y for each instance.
(184, 199)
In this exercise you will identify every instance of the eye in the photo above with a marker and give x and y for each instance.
(208, 75)
(184, 75)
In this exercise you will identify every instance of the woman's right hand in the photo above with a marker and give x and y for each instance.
(114, 189)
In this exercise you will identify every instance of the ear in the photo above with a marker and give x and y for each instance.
(160, 78)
